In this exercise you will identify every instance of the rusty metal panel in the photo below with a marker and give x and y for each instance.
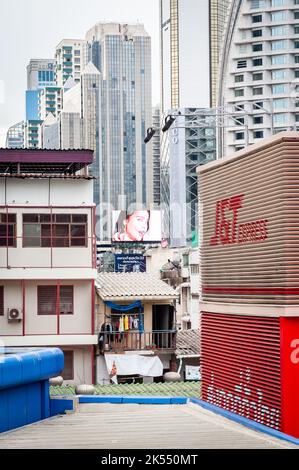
(250, 226)
(240, 365)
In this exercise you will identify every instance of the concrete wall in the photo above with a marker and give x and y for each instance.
(34, 324)
(82, 366)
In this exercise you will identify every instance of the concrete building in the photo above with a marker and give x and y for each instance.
(191, 39)
(32, 134)
(15, 136)
(147, 341)
(48, 255)
(122, 54)
(70, 57)
(50, 101)
(156, 143)
(40, 73)
(260, 71)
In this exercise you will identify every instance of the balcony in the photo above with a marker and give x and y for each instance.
(136, 341)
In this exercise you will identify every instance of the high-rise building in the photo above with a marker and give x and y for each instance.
(32, 134)
(156, 142)
(183, 148)
(122, 54)
(50, 101)
(15, 136)
(70, 59)
(260, 70)
(40, 73)
(191, 39)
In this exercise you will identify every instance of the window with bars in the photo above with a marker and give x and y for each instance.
(54, 230)
(8, 228)
(48, 301)
(68, 371)
(1, 300)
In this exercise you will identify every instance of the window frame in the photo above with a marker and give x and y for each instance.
(7, 223)
(57, 302)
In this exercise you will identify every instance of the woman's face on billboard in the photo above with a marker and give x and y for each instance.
(137, 225)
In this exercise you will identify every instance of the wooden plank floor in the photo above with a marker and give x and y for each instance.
(110, 426)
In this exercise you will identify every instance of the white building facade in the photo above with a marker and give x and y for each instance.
(259, 74)
(48, 256)
(70, 57)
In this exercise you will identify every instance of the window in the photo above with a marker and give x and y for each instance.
(255, 4)
(296, 2)
(257, 18)
(296, 15)
(241, 64)
(278, 59)
(257, 62)
(239, 78)
(1, 300)
(256, 33)
(56, 230)
(297, 73)
(243, 49)
(257, 76)
(68, 371)
(257, 47)
(278, 74)
(77, 52)
(258, 119)
(296, 117)
(8, 228)
(257, 91)
(296, 59)
(77, 60)
(278, 31)
(239, 107)
(277, 3)
(48, 302)
(278, 45)
(278, 16)
(280, 118)
(280, 103)
(278, 89)
(258, 134)
(296, 29)
(239, 135)
(239, 92)
(296, 44)
(258, 105)
(239, 121)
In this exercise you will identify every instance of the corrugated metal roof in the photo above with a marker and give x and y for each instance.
(188, 343)
(133, 285)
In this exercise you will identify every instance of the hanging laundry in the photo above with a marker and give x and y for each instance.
(121, 324)
(126, 323)
(131, 322)
(136, 323)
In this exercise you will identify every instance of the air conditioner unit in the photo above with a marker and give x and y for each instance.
(14, 314)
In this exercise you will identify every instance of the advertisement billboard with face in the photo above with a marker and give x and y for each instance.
(142, 226)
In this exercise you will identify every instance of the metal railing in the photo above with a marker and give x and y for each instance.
(135, 340)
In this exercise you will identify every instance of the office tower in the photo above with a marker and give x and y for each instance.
(191, 39)
(40, 73)
(183, 148)
(156, 141)
(122, 54)
(70, 59)
(260, 70)
(15, 136)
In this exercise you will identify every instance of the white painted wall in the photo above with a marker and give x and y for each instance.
(12, 299)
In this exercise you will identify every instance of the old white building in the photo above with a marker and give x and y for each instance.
(48, 255)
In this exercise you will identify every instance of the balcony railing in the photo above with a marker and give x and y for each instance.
(137, 341)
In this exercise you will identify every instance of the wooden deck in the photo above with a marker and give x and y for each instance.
(110, 426)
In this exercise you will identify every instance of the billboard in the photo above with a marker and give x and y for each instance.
(138, 226)
(130, 263)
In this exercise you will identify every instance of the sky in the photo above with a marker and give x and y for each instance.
(30, 29)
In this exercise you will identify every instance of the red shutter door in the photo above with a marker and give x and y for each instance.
(241, 365)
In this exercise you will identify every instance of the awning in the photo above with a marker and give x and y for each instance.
(133, 364)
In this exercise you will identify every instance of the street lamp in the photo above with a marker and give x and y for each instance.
(169, 120)
(149, 134)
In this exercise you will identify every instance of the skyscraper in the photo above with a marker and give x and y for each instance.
(191, 39)
(260, 70)
(70, 59)
(122, 54)
(191, 35)
(156, 142)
